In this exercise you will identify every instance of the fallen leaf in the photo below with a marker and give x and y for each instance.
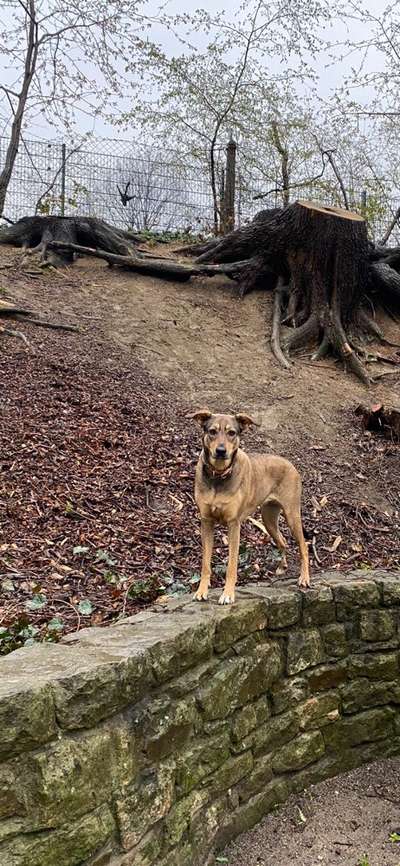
(335, 544)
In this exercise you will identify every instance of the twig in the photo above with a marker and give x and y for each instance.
(56, 326)
(9, 332)
(314, 550)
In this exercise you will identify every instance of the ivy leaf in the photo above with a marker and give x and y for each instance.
(37, 602)
(85, 607)
(8, 585)
(104, 556)
(55, 624)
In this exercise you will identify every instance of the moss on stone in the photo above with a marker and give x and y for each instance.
(304, 650)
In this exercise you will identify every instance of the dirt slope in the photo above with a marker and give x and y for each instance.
(97, 420)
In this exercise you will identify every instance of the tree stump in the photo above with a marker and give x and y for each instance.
(327, 255)
(320, 257)
(36, 233)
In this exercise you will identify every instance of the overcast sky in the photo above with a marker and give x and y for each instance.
(330, 76)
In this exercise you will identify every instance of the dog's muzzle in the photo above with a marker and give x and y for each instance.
(220, 453)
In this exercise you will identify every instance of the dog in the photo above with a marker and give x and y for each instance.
(230, 485)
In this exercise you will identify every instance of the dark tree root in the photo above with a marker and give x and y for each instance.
(302, 335)
(37, 234)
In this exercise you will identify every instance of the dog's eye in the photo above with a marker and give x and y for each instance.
(231, 434)
(212, 432)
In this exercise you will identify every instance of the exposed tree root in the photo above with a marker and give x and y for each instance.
(276, 326)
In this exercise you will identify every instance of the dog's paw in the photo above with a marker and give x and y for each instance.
(226, 598)
(304, 582)
(201, 595)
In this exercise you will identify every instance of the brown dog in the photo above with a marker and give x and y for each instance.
(229, 487)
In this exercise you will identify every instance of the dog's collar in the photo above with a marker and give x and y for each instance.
(214, 473)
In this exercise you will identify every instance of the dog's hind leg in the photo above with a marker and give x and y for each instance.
(292, 513)
(207, 541)
(270, 512)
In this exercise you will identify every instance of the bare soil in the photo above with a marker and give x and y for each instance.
(346, 821)
(98, 457)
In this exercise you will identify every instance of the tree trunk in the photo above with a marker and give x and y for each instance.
(16, 126)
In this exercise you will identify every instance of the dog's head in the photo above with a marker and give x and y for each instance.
(221, 436)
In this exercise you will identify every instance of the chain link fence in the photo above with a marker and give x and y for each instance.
(156, 190)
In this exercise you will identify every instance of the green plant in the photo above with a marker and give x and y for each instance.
(364, 861)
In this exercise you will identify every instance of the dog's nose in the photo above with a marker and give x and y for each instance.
(220, 451)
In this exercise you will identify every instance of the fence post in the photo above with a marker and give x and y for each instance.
(228, 222)
(363, 207)
(222, 200)
(63, 165)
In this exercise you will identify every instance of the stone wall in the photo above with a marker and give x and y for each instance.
(153, 742)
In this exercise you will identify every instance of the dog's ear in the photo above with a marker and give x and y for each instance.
(245, 420)
(202, 415)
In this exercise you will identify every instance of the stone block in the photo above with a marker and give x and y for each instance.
(89, 693)
(300, 752)
(257, 779)
(71, 845)
(318, 711)
(75, 775)
(251, 812)
(284, 609)
(351, 595)
(182, 814)
(203, 829)
(144, 803)
(238, 622)
(362, 694)
(231, 772)
(27, 717)
(164, 726)
(327, 676)
(377, 625)
(287, 692)
(364, 727)
(274, 732)
(200, 760)
(335, 640)
(375, 666)
(250, 717)
(238, 681)
(318, 606)
(304, 650)
(389, 584)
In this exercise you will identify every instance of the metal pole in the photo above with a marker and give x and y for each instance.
(63, 166)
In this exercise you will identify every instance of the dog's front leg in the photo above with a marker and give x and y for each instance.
(207, 541)
(228, 594)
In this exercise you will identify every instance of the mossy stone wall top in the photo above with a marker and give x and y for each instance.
(153, 742)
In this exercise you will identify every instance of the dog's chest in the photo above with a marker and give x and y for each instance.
(220, 507)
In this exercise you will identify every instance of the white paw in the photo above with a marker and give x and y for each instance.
(201, 595)
(226, 599)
